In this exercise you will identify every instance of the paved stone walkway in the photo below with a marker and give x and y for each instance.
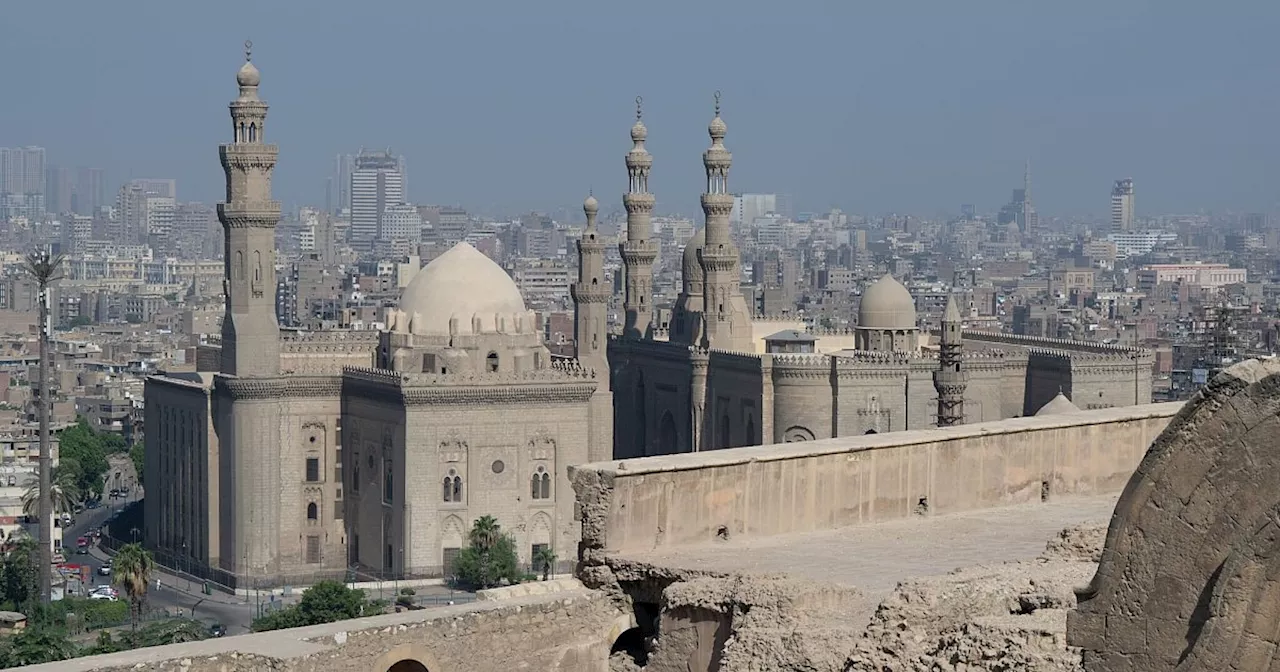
(874, 558)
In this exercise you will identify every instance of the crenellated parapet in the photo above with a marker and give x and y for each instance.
(328, 342)
(563, 381)
(1101, 350)
(801, 367)
(258, 389)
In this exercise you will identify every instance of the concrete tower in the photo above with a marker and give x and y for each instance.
(590, 330)
(950, 378)
(727, 324)
(250, 333)
(638, 251)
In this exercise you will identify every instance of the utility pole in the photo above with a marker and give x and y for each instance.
(44, 268)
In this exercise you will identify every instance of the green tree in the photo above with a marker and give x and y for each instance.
(132, 570)
(324, 602)
(64, 491)
(105, 644)
(176, 631)
(34, 645)
(80, 443)
(490, 559)
(137, 453)
(544, 559)
(21, 573)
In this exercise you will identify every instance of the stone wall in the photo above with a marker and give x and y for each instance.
(559, 632)
(642, 504)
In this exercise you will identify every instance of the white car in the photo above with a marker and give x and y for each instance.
(103, 596)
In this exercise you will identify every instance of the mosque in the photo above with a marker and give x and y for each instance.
(298, 456)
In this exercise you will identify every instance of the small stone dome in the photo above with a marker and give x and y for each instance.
(462, 283)
(248, 75)
(1058, 405)
(591, 205)
(639, 132)
(691, 268)
(886, 304)
(717, 129)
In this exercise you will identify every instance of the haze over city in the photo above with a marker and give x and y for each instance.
(508, 106)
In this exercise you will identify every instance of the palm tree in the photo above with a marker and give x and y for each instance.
(132, 569)
(485, 532)
(45, 268)
(63, 490)
(546, 559)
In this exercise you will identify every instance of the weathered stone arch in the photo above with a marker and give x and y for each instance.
(540, 528)
(1190, 574)
(404, 653)
(452, 532)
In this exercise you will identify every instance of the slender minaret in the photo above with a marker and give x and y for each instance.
(726, 322)
(950, 378)
(638, 252)
(250, 332)
(590, 332)
(591, 298)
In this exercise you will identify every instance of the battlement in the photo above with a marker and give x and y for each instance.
(1044, 343)
(564, 370)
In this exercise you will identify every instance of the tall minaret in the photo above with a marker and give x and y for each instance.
(727, 324)
(950, 378)
(590, 332)
(250, 332)
(638, 252)
(591, 298)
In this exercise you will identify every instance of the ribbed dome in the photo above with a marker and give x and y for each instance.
(691, 268)
(887, 305)
(1057, 405)
(461, 283)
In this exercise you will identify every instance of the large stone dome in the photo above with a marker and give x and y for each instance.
(462, 283)
(886, 304)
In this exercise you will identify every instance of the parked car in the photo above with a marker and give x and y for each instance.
(217, 630)
(105, 570)
(103, 596)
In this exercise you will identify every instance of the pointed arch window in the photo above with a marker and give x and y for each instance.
(253, 132)
(491, 362)
(451, 487)
(540, 484)
(313, 511)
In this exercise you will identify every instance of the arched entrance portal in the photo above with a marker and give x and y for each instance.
(408, 666)
(407, 658)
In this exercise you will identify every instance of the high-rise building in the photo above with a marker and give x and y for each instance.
(1122, 205)
(377, 182)
(90, 192)
(22, 183)
(144, 206)
(747, 207)
(57, 189)
(341, 181)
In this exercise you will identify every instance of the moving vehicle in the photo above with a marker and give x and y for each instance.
(217, 630)
(105, 569)
(82, 542)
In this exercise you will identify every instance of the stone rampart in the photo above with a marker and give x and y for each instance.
(656, 502)
(566, 631)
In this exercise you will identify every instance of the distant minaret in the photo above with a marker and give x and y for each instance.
(950, 378)
(724, 328)
(591, 299)
(638, 252)
(250, 332)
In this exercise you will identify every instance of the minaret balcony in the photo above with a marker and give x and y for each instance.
(639, 202)
(249, 156)
(584, 293)
(249, 214)
(637, 252)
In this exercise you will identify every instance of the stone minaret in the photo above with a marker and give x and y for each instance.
(638, 252)
(591, 331)
(250, 332)
(727, 324)
(950, 378)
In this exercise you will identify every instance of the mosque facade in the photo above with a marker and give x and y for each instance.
(304, 455)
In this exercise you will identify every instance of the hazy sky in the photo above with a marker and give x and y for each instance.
(506, 106)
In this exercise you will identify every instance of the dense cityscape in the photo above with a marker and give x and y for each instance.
(225, 418)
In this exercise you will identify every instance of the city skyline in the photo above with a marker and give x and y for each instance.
(824, 115)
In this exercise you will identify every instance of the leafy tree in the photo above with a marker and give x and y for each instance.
(21, 573)
(176, 631)
(80, 443)
(34, 645)
(79, 321)
(132, 570)
(544, 559)
(325, 602)
(490, 559)
(105, 643)
(137, 453)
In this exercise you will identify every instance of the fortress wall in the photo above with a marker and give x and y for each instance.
(674, 500)
(567, 631)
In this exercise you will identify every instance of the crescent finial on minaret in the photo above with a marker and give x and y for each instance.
(248, 50)
(639, 102)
